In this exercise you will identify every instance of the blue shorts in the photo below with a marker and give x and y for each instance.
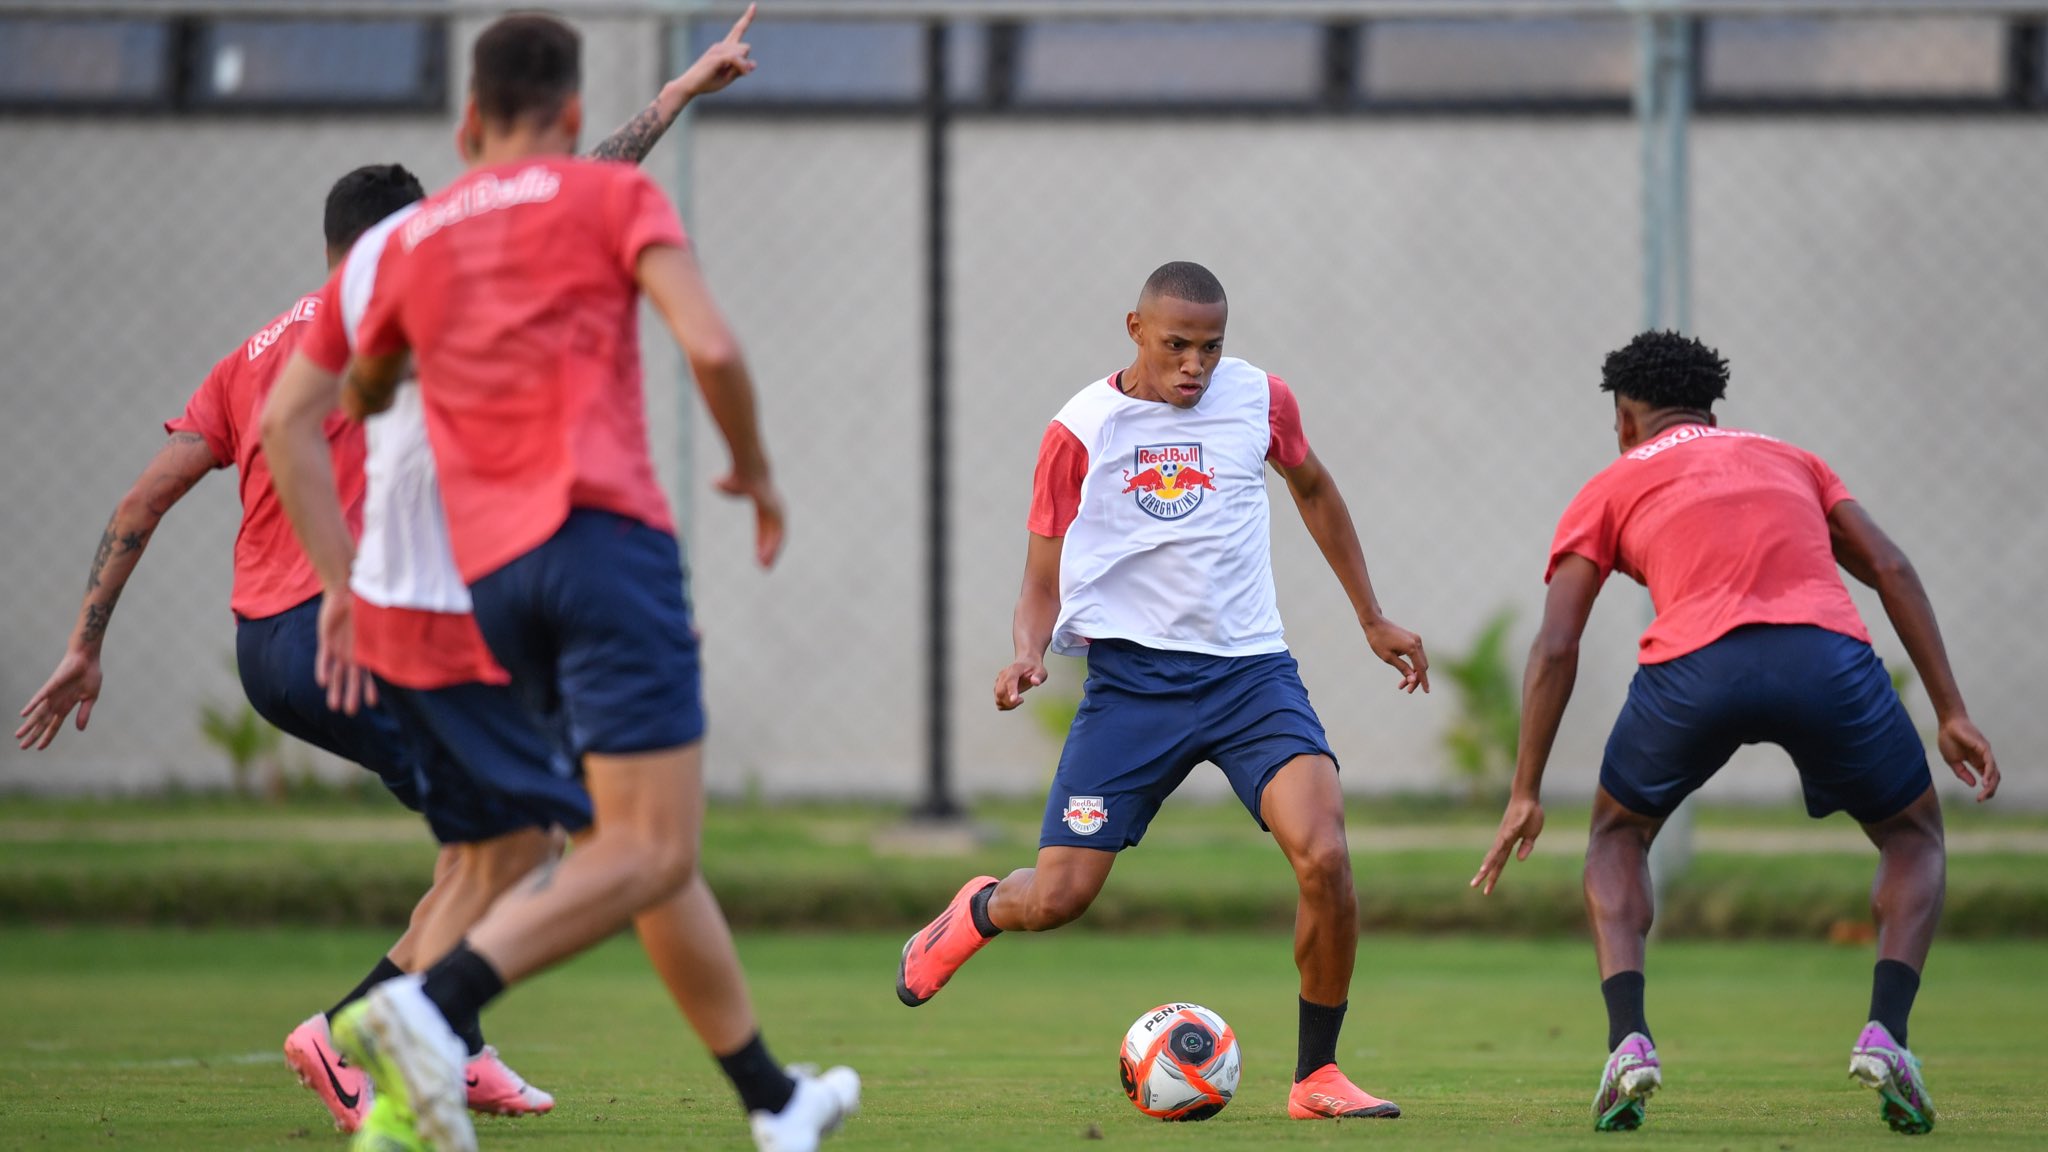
(487, 766)
(594, 626)
(1149, 716)
(275, 656)
(1821, 696)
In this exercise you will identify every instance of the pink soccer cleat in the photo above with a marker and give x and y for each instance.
(1328, 1094)
(309, 1050)
(939, 949)
(498, 1090)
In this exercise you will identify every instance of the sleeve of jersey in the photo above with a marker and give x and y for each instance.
(1832, 490)
(1587, 529)
(379, 332)
(645, 217)
(326, 340)
(1289, 444)
(1056, 482)
(206, 414)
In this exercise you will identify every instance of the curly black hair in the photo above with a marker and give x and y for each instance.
(1666, 370)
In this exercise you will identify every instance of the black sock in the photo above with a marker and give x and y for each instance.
(1892, 988)
(977, 906)
(469, 1030)
(460, 985)
(385, 970)
(1316, 1043)
(1623, 992)
(763, 1085)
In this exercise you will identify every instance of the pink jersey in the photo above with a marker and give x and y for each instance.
(272, 573)
(1726, 528)
(413, 625)
(515, 290)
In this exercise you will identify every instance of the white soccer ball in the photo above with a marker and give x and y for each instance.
(1179, 1062)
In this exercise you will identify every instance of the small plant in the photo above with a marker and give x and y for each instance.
(1481, 741)
(249, 742)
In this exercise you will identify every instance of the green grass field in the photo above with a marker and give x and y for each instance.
(161, 1038)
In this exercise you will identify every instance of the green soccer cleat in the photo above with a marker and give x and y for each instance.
(387, 1127)
(1632, 1074)
(398, 1038)
(1882, 1063)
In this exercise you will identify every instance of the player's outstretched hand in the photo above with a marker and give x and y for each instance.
(1518, 832)
(721, 64)
(349, 685)
(768, 528)
(1401, 648)
(1017, 679)
(1968, 754)
(75, 684)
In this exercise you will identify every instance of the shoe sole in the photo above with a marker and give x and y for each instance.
(1626, 1115)
(1899, 1113)
(440, 1105)
(1386, 1111)
(302, 1064)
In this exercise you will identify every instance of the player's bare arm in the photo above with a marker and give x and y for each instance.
(1328, 520)
(1038, 609)
(1865, 552)
(372, 383)
(720, 65)
(1547, 682)
(670, 278)
(301, 468)
(177, 466)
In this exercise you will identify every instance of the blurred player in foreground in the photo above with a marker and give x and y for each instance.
(1755, 641)
(1149, 552)
(517, 290)
(489, 841)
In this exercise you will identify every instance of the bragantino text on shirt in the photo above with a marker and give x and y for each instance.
(533, 185)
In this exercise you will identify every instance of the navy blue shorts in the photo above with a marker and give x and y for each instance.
(1819, 695)
(275, 655)
(1149, 716)
(594, 626)
(487, 766)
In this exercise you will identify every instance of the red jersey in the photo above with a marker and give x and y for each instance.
(272, 573)
(514, 288)
(1726, 528)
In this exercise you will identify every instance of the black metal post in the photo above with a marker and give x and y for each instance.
(938, 798)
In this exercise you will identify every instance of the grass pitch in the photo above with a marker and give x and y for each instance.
(165, 1039)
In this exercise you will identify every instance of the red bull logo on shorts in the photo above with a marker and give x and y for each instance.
(1169, 479)
(1086, 814)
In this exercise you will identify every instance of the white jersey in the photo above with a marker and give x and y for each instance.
(404, 559)
(1169, 541)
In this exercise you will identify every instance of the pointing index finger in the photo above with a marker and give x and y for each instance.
(739, 27)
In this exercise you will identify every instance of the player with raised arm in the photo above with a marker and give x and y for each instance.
(1738, 537)
(488, 842)
(1150, 553)
(515, 291)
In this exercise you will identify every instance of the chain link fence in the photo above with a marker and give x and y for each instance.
(1430, 226)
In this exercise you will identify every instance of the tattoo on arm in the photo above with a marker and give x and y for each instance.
(101, 555)
(632, 142)
(96, 617)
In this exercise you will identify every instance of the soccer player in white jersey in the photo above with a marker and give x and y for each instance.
(1150, 553)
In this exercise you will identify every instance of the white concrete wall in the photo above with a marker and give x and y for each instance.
(1439, 291)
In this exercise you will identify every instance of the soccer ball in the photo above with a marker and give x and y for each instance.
(1179, 1062)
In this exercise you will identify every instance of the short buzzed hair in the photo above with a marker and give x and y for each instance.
(525, 67)
(365, 196)
(1183, 280)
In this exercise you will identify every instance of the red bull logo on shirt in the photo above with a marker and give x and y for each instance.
(1169, 480)
(1085, 815)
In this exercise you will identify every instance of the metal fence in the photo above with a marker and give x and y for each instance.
(927, 221)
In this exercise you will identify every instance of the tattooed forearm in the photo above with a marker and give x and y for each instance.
(96, 617)
(102, 554)
(637, 138)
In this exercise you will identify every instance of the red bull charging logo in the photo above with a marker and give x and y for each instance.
(1086, 814)
(1169, 479)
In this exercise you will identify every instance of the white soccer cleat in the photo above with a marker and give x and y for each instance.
(397, 1036)
(821, 1104)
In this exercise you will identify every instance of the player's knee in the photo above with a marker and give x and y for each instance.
(1323, 869)
(503, 862)
(667, 867)
(1053, 903)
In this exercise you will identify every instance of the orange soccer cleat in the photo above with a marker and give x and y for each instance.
(939, 948)
(1328, 1094)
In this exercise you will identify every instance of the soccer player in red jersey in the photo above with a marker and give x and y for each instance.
(489, 841)
(515, 292)
(1738, 537)
(1149, 551)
